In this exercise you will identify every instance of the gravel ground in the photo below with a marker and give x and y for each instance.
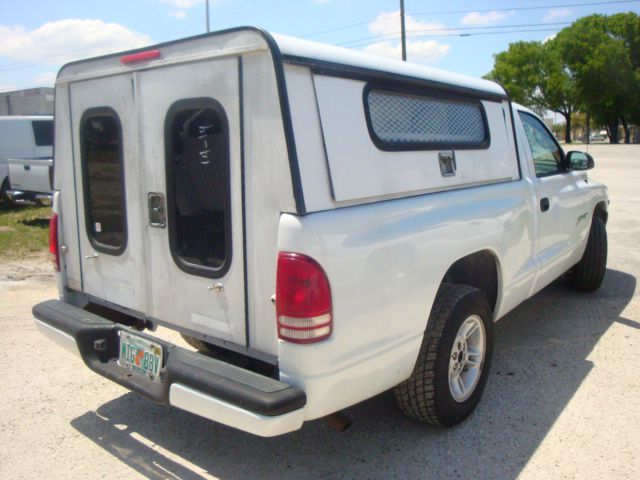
(561, 402)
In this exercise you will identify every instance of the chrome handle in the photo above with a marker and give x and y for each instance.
(89, 257)
(216, 287)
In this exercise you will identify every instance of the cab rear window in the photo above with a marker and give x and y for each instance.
(102, 165)
(43, 132)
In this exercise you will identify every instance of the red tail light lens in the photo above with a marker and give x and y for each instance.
(53, 241)
(303, 299)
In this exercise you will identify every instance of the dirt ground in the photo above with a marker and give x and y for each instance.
(563, 398)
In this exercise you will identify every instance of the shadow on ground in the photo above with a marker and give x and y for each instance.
(540, 361)
(36, 222)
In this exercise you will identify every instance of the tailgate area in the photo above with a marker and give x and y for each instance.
(194, 382)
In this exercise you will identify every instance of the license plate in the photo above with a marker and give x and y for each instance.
(140, 355)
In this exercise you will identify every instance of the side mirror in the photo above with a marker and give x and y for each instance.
(579, 161)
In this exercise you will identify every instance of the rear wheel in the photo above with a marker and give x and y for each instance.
(588, 273)
(453, 364)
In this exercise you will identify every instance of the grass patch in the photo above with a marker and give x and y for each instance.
(23, 231)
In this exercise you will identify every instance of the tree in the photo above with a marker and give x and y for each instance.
(534, 74)
(599, 62)
(626, 26)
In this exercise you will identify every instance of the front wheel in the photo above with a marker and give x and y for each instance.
(453, 364)
(588, 273)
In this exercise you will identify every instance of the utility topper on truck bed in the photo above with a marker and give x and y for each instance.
(320, 224)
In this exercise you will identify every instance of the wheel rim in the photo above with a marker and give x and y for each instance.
(466, 359)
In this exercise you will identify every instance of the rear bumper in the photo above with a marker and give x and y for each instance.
(193, 382)
(18, 196)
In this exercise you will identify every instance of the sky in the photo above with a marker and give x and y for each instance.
(38, 37)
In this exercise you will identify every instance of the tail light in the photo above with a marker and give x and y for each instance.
(53, 241)
(303, 299)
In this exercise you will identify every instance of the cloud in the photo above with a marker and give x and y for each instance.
(182, 3)
(477, 19)
(388, 24)
(428, 50)
(180, 14)
(322, 2)
(8, 88)
(556, 13)
(65, 40)
(46, 79)
(548, 38)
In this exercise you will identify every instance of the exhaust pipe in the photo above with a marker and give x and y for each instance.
(338, 421)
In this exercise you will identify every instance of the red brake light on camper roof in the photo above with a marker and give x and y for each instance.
(139, 57)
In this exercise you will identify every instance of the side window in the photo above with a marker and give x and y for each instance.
(43, 132)
(197, 162)
(103, 178)
(547, 154)
(402, 121)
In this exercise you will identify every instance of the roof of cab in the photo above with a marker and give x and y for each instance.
(295, 49)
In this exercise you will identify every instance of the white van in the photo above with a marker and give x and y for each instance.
(321, 224)
(25, 137)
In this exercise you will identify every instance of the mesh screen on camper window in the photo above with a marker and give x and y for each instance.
(101, 138)
(198, 186)
(403, 120)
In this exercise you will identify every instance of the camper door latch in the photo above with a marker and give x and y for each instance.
(447, 161)
(157, 217)
(216, 287)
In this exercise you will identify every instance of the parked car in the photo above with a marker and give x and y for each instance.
(28, 142)
(322, 225)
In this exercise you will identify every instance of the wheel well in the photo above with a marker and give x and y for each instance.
(479, 270)
(601, 211)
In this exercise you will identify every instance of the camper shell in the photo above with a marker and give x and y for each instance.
(187, 172)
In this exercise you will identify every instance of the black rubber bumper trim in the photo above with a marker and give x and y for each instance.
(237, 386)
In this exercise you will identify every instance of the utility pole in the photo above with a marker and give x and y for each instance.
(208, 30)
(403, 32)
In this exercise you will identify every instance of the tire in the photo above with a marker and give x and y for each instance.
(588, 273)
(426, 396)
(5, 203)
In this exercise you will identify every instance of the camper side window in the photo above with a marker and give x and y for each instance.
(103, 178)
(198, 186)
(403, 121)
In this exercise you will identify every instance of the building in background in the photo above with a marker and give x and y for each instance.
(31, 101)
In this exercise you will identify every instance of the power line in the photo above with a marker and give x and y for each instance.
(435, 32)
(451, 12)
(514, 9)
(471, 34)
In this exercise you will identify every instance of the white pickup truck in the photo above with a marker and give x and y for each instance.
(322, 225)
(26, 158)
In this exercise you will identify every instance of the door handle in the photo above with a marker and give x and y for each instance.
(544, 204)
(27, 167)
